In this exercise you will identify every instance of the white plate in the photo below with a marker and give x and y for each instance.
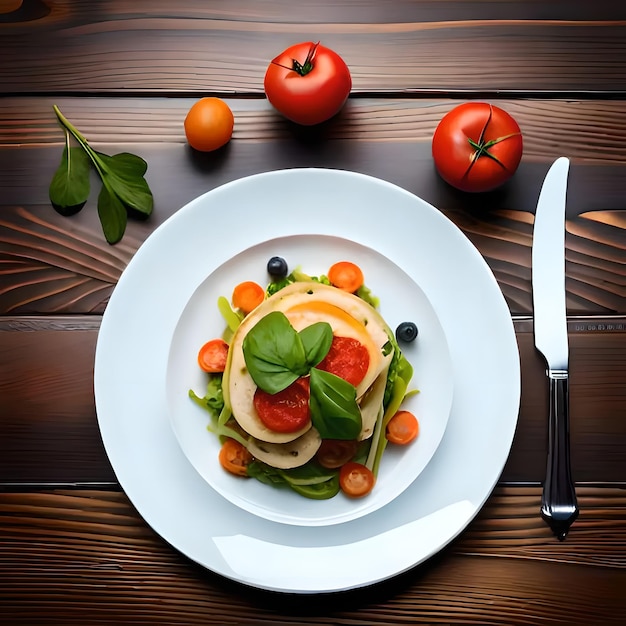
(401, 300)
(131, 366)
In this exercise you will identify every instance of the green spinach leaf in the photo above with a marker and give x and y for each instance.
(69, 188)
(124, 187)
(112, 214)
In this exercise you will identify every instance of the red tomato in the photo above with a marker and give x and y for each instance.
(356, 480)
(477, 147)
(285, 411)
(334, 453)
(308, 83)
(347, 358)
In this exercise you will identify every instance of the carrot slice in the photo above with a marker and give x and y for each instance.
(402, 428)
(212, 356)
(247, 296)
(234, 457)
(346, 276)
(356, 480)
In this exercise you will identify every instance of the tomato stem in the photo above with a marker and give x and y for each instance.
(481, 147)
(302, 68)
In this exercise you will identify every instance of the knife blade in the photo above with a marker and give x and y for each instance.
(559, 507)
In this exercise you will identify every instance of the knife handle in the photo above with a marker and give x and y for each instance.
(559, 507)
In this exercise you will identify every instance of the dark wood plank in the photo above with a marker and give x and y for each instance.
(420, 47)
(99, 556)
(52, 264)
(49, 432)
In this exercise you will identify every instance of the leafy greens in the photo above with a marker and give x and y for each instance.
(124, 187)
(277, 355)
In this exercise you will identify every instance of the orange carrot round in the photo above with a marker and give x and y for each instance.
(247, 296)
(402, 428)
(346, 276)
(234, 458)
(212, 356)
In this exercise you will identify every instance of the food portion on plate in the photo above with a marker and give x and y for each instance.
(306, 383)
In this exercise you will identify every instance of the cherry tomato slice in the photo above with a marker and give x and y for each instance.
(285, 411)
(356, 480)
(334, 453)
(234, 457)
(212, 356)
(347, 358)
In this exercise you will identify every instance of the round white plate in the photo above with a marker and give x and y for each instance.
(401, 300)
(131, 370)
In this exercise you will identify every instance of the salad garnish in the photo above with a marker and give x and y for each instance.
(305, 386)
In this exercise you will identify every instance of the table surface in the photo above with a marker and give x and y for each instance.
(73, 549)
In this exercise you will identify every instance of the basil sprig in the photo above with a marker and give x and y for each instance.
(124, 187)
(334, 411)
(276, 355)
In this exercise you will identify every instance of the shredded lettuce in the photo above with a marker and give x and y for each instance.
(213, 400)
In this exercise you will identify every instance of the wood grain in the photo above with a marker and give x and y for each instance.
(49, 431)
(99, 556)
(421, 47)
(52, 264)
(73, 550)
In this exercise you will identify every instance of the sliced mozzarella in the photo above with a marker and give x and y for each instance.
(372, 404)
(304, 303)
(287, 455)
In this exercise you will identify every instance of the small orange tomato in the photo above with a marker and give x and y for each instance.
(209, 124)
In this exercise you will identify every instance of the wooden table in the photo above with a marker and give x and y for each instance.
(73, 550)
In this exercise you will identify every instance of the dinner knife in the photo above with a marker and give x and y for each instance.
(559, 507)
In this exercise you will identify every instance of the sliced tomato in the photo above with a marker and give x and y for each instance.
(347, 358)
(234, 457)
(334, 453)
(287, 410)
(212, 356)
(356, 480)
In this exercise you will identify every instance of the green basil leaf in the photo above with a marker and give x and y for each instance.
(112, 215)
(69, 188)
(274, 353)
(316, 340)
(125, 177)
(334, 410)
(124, 164)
